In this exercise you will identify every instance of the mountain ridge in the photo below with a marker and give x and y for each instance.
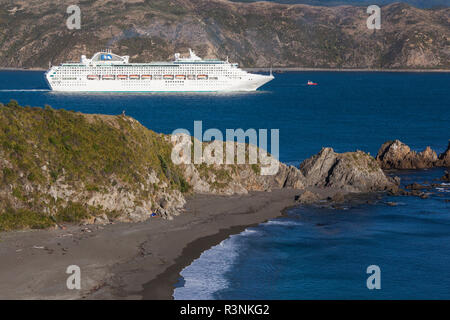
(256, 34)
(415, 3)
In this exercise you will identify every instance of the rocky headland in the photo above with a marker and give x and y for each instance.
(59, 167)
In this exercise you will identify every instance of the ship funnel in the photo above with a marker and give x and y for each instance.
(193, 56)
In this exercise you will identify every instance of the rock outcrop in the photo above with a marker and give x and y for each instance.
(240, 179)
(446, 176)
(397, 155)
(227, 179)
(355, 172)
(308, 197)
(444, 158)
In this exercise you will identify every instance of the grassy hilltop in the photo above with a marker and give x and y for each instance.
(52, 161)
(258, 34)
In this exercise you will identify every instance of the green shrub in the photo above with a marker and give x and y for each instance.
(12, 103)
(73, 212)
(17, 192)
(23, 219)
(9, 176)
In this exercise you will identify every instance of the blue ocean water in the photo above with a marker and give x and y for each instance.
(318, 253)
(312, 252)
(347, 111)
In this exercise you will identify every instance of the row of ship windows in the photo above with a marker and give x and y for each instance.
(150, 77)
(196, 66)
(106, 73)
(168, 80)
(167, 83)
(151, 68)
(187, 70)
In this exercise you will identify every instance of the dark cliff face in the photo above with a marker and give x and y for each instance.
(254, 34)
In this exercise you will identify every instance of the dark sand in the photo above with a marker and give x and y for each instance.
(128, 261)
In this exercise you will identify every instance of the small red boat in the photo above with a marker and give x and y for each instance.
(310, 83)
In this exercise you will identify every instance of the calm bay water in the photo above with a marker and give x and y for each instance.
(313, 252)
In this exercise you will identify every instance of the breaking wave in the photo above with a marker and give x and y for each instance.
(206, 275)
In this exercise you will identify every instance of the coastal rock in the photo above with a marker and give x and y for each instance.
(101, 219)
(417, 186)
(288, 177)
(338, 197)
(444, 158)
(395, 190)
(228, 179)
(350, 172)
(192, 176)
(446, 176)
(397, 155)
(308, 197)
(317, 168)
(392, 204)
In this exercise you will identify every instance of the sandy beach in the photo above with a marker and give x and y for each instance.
(128, 261)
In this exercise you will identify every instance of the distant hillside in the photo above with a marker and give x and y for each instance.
(33, 33)
(416, 3)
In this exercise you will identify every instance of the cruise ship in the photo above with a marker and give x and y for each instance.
(106, 71)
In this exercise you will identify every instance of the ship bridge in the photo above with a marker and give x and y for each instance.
(105, 57)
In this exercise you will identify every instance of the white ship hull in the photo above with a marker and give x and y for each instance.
(107, 72)
(250, 83)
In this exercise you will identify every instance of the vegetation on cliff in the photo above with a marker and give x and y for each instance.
(52, 161)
